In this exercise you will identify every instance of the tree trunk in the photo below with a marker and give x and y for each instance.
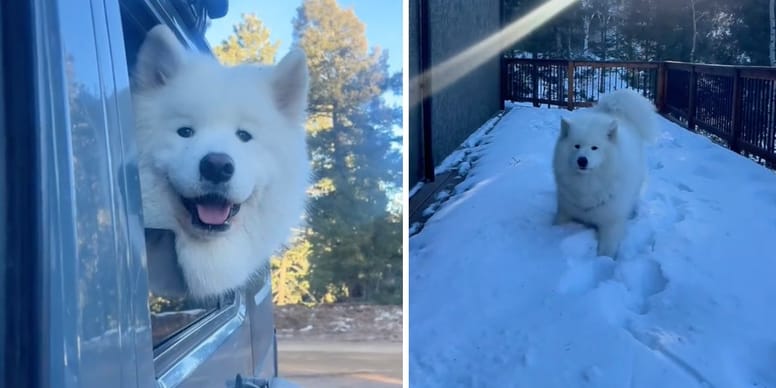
(604, 43)
(695, 31)
(773, 33)
(586, 42)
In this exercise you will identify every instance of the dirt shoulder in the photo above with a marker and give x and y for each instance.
(339, 322)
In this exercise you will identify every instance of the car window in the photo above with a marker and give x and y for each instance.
(173, 311)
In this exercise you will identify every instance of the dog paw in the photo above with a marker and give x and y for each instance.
(609, 238)
(607, 247)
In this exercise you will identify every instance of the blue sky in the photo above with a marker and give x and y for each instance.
(383, 20)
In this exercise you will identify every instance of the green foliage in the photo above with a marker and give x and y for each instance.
(727, 32)
(355, 250)
(249, 43)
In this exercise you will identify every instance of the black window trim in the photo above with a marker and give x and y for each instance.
(25, 325)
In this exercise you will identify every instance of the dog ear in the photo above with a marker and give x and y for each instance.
(564, 127)
(290, 83)
(160, 57)
(611, 131)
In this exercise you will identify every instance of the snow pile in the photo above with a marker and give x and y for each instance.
(499, 297)
(460, 159)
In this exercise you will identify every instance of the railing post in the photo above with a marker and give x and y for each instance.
(504, 79)
(735, 134)
(424, 37)
(691, 103)
(660, 93)
(535, 83)
(570, 77)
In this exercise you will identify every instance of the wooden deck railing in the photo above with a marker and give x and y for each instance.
(734, 105)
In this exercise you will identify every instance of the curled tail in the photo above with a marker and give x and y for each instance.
(633, 108)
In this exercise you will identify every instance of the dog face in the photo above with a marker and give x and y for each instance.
(222, 157)
(586, 141)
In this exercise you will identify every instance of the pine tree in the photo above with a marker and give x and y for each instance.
(350, 142)
(249, 43)
(753, 30)
(290, 274)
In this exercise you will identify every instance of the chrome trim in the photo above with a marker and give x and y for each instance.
(184, 367)
(167, 14)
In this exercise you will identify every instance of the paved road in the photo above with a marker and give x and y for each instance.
(319, 364)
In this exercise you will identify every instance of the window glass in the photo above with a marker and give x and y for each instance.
(171, 308)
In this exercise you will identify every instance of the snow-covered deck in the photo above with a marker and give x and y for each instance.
(499, 297)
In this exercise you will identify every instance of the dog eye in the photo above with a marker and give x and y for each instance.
(185, 132)
(576, 146)
(594, 148)
(244, 135)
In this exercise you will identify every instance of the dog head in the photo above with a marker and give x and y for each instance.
(222, 157)
(586, 140)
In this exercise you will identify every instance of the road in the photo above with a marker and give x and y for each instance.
(330, 364)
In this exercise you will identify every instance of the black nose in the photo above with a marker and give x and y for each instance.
(582, 162)
(216, 167)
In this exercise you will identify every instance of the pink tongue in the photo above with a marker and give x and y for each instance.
(213, 214)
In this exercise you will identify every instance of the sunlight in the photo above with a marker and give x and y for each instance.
(453, 69)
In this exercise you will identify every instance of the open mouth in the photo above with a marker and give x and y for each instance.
(211, 211)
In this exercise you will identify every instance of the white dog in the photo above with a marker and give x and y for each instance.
(222, 158)
(600, 166)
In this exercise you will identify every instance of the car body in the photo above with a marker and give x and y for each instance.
(75, 289)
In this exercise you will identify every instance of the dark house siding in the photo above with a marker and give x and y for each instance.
(415, 146)
(458, 110)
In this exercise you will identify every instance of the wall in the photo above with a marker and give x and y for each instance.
(461, 108)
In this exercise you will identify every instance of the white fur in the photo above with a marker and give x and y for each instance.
(611, 137)
(175, 88)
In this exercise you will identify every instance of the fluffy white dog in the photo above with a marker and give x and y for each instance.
(222, 157)
(600, 167)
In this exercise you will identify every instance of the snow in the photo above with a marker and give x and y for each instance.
(415, 189)
(460, 158)
(499, 297)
